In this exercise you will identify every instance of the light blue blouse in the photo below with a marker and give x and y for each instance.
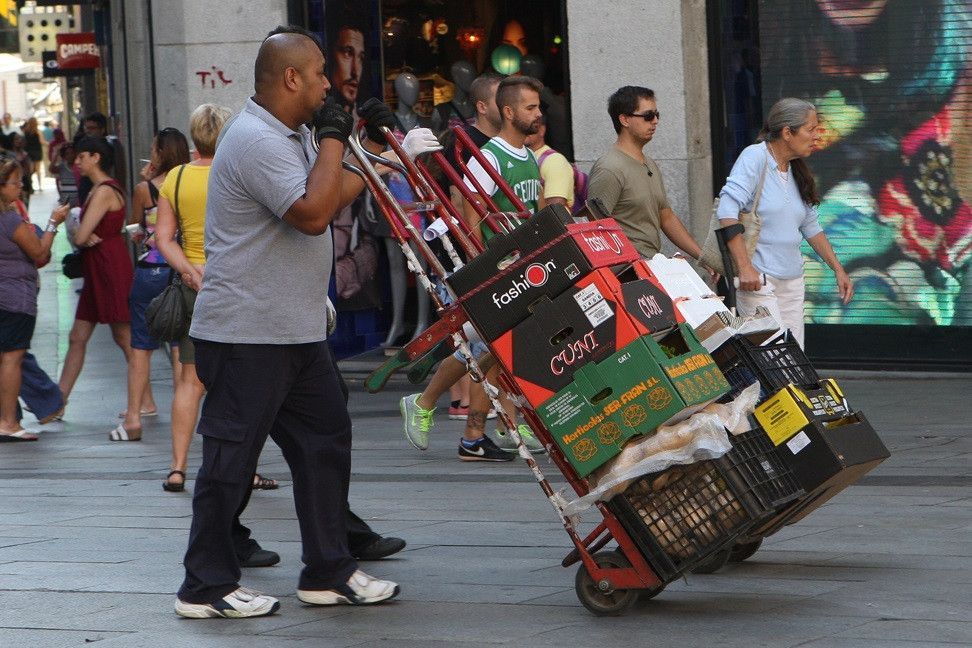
(786, 219)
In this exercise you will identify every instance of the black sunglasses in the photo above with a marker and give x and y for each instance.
(167, 131)
(648, 116)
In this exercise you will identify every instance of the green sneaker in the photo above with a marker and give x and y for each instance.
(533, 444)
(417, 421)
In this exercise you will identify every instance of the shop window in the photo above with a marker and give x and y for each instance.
(428, 38)
(433, 49)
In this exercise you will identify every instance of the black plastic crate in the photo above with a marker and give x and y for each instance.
(679, 517)
(764, 473)
(774, 365)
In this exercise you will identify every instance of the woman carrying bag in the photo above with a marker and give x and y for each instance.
(182, 214)
(105, 260)
(787, 212)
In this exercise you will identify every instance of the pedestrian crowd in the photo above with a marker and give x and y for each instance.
(258, 191)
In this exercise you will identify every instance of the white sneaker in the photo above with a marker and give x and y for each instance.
(361, 589)
(239, 604)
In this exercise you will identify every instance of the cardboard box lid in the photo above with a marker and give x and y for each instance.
(679, 278)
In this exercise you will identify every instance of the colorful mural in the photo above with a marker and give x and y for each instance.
(892, 80)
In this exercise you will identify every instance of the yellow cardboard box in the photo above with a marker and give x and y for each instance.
(787, 411)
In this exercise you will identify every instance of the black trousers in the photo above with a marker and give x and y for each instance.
(360, 535)
(291, 393)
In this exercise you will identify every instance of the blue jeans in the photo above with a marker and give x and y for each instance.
(41, 394)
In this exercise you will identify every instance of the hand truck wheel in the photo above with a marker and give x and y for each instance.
(744, 550)
(600, 598)
(713, 563)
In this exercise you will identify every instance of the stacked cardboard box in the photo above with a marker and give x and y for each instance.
(544, 256)
(587, 332)
(643, 385)
(694, 300)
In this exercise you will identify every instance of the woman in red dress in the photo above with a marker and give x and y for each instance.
(106, 263)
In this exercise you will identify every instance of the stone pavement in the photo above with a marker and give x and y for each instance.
(90, 545)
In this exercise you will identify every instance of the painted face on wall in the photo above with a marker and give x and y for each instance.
(348, 63)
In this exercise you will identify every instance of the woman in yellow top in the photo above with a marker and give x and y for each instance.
(184, 190)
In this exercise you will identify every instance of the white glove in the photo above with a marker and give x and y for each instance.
(330, 314)
(418, 141)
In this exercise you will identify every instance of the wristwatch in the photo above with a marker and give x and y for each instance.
(51, 227)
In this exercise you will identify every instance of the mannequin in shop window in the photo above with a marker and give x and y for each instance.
(552, 105)
(460, 109)
(407, 90)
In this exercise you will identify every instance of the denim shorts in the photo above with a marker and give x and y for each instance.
(148, 284)
(478, 348)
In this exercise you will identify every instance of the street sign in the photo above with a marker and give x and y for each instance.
(78, 51)
(38, 32)
(51, 68)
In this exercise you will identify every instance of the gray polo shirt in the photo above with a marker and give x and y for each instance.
(265, 282)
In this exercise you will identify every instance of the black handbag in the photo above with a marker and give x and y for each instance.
(169, 315)
(71, 265)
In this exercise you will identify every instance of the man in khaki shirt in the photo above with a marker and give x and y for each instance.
(630, 184)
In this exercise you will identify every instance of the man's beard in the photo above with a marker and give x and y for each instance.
(526, 127)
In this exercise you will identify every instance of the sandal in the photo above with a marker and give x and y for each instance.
(121, 434)
(143, 413)
(26, 435)
(174, 487)
(262, 483)
(51, 418)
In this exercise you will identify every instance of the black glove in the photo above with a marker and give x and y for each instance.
(376, 114)
(331, 120)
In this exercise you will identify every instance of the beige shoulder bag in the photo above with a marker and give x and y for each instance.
(750, 220)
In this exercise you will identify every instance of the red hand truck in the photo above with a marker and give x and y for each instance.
(608, 581)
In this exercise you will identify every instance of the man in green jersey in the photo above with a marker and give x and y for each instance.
(518, 100)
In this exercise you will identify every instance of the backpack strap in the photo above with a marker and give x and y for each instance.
(114, 185)
(544, 156)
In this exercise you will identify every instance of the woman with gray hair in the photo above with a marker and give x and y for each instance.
(787, 207)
